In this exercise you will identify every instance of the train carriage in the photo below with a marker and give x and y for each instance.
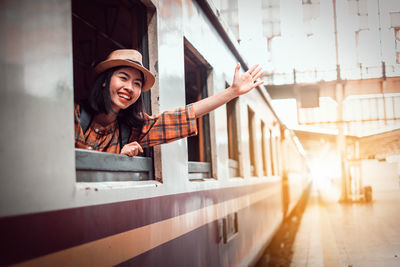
(215, 199)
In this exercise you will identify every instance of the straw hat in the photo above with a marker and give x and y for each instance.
(130, 58)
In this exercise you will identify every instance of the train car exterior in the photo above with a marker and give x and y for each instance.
(215, 200)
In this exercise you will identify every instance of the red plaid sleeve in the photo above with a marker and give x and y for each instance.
(167, 127)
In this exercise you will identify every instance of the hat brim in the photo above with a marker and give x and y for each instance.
(149, 78)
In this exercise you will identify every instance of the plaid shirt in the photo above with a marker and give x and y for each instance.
(162, 128)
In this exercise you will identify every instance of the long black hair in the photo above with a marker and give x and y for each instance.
(99, 101)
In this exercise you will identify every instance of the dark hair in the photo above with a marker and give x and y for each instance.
(100, 101)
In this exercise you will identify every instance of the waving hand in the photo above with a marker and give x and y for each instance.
(242, 83)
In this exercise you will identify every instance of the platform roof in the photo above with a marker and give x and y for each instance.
(377, 146)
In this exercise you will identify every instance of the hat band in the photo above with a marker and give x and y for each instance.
(134, 61)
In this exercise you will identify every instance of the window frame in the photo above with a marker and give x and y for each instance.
(203, 168)
(277, 154)
(95, 166)
(271, 152)
(252, 141)
(264, 149)
(233, 124)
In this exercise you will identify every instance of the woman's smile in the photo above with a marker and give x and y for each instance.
(125, 96)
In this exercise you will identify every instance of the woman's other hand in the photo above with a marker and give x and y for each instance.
(243, 83)
(132, 149)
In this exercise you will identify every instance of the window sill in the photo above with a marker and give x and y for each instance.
(94, 166)
(104, 186)
(199, 171)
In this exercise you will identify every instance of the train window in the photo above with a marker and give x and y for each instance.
(264, 149)
(272, 152)
(232, 113)
(252, 148)
(199, 146)
(99, 27)
(277, 155)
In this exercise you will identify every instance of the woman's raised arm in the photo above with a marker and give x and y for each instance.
(242, 83)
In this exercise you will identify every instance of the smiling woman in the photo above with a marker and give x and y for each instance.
(115, 106)
(118, 122)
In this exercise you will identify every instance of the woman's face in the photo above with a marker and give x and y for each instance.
(125, 88)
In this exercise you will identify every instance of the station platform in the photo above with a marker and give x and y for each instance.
(329, 233)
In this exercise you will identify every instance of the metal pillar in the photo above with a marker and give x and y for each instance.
(341, 140)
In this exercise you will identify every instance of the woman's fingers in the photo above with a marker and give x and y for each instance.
(252, 69)
(243, 83)
(132, 149)
(257, 73)
(139, 146)
(237, 69)
(258, 83)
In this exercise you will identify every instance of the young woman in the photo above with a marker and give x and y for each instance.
(115, 107)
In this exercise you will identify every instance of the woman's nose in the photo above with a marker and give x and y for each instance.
(129, 87)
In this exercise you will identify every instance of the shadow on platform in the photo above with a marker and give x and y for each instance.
(279, 252)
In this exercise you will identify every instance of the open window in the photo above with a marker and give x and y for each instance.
(264, 149)
(252, 148)
(199, 146)
(99, 27)
(272, 153)
(232, 114)
(277, 155)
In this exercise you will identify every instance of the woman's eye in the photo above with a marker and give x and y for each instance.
(123, 78)
(138, 84)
